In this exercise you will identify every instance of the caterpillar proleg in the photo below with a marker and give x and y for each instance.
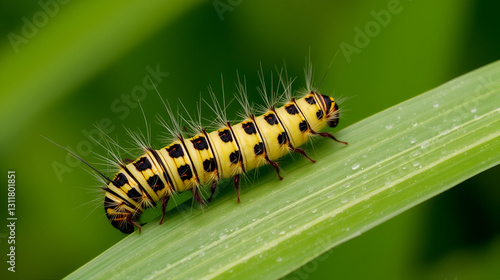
(207, 157)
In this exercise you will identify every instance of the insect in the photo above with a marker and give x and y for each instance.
(188, 163)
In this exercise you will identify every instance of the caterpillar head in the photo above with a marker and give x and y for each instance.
(331, 108)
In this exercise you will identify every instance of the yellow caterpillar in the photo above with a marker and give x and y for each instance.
(208, 157)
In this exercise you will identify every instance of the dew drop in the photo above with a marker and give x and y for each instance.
(413, 140)
(389, 126)
(424, 144)
(446, 131)
(278, 259)
(435, 105)
(473, 110)
(355, 166)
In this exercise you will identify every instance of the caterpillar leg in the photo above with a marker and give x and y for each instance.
(329, 135)
(275, 165)
(164, 208)
(212, 190)
(300, 151)
(197, 196)
(236, 181)
(131, 221)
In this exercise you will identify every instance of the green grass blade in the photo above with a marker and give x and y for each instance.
(395, 160)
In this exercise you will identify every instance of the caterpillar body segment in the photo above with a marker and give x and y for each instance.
(208, 157)
(227, 155)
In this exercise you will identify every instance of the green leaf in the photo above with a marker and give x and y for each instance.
(395, 160)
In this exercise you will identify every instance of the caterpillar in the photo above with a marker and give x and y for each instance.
(206, 158)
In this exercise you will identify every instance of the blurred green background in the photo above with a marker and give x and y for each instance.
(65, 67)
